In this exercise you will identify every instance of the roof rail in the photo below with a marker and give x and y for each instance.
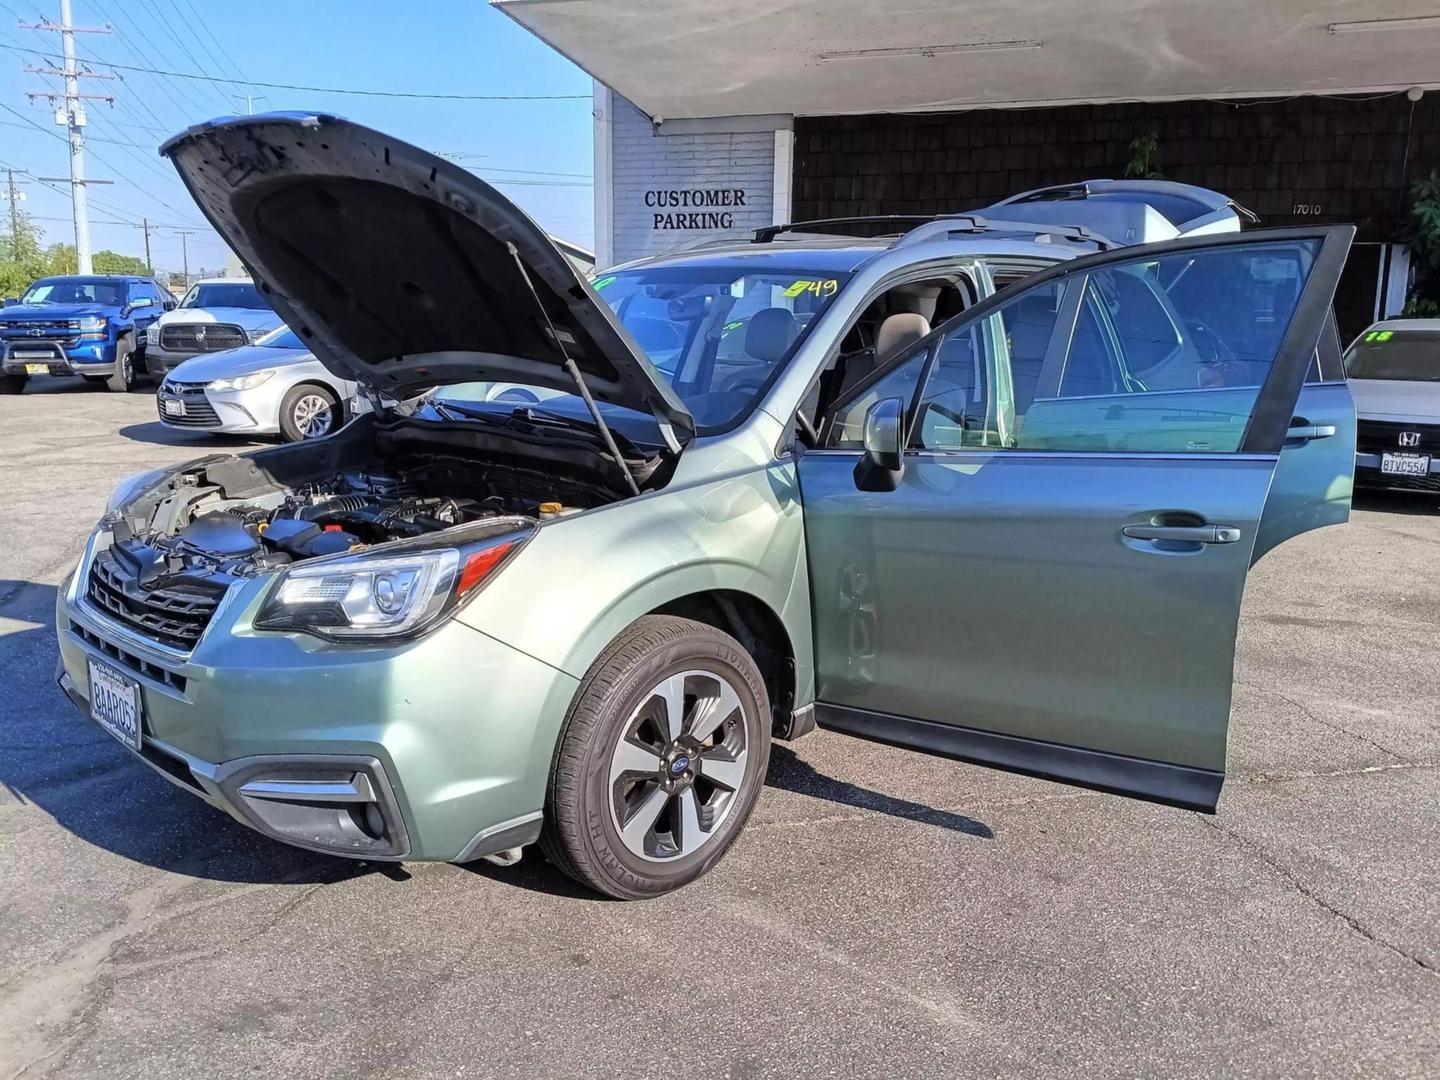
(949, 224)
(770, 232)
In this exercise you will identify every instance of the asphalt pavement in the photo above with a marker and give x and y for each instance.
(885, 914)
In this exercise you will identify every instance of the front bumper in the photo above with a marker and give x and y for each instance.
(191, 407)
(158, 361)
(20, 357)
(1368, 474)
(449, 739)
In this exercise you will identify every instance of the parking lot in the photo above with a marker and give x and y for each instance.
(884, 914)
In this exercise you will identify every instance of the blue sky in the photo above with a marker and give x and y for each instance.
(543, 149)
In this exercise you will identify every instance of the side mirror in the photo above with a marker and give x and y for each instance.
(141, 301)
(11, 301)
(883, 462)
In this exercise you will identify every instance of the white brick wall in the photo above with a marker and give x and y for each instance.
(710, 161)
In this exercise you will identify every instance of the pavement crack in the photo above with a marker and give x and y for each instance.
(1259, 778)
(1309, 714)
(1294, 881)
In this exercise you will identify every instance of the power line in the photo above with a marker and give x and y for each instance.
(430, 96)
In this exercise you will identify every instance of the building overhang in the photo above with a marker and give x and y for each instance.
(689, 59)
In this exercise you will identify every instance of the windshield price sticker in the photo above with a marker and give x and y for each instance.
(823, 289)
(602, 282)
(1379, 335)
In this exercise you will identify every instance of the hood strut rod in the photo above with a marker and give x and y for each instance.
(575, 374)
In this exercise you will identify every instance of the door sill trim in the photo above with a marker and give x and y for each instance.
(1140, 778)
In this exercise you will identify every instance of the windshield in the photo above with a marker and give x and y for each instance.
(1411, 355)
(76, 291)
(284, 338)
(717, 334)
(236, 294)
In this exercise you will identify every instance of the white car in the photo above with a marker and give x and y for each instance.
(215, 315)
(272, 387)
(1394, 373)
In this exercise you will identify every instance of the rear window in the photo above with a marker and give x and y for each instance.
(1408, 355)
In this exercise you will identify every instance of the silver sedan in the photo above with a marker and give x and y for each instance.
(271, 387)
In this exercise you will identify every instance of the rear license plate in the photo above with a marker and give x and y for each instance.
(1405, 464)
(36, 369)
(115, 703)
(174, 408)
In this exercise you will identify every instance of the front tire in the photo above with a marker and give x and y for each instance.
(124, 377)
(660, 761)
(308, 411)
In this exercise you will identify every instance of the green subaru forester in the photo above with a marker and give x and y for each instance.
(987, 487)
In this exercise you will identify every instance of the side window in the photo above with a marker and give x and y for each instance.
(847, 424)
(987, 371)
(1169, 354)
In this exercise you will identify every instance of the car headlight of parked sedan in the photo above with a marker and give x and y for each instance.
(242, 382)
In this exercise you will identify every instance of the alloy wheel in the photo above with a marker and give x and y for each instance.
(677, 770)
(313, 416)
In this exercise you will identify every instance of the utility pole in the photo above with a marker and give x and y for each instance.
(250, 100)
(149, 266)
(73, 118)
(184, 235)
(13, 195)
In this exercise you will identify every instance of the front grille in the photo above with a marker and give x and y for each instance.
(202, 337)
(57, 331)
(198, 410)
(173, 614)
(1383, 437)
(137, 664)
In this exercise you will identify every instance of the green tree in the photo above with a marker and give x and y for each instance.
(111, 262)
(1425, 247)
(21, 260)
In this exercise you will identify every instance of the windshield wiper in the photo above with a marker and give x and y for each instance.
(544, 416)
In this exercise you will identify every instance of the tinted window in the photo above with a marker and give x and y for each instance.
(1411, 355)
(229, 294)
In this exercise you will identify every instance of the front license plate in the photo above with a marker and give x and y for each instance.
(1405, 464)
(174, 408)
(115, 703)
(37, 369)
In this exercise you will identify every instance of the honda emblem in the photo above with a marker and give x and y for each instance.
(1409, 438)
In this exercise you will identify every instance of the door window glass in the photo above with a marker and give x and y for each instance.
(847, 425)
(964, 404)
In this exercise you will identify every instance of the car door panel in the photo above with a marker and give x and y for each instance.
(1067, 605)
(1024, 560)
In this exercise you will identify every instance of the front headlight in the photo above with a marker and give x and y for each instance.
(395, 591)
(256, 335)
(241, 382)
(152, 335)
(90, 323)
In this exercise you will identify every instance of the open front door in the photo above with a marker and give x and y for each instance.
(1048, 578)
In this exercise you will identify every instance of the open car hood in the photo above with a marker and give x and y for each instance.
(402, 271)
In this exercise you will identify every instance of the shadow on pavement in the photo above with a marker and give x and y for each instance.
(789, 773)
(55, 759)
(1426, 503)
(160, 435)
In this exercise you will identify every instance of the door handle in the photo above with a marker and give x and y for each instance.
(1193, 534)
(1306, 432)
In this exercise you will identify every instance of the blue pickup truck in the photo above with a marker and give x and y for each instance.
(88, 325)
